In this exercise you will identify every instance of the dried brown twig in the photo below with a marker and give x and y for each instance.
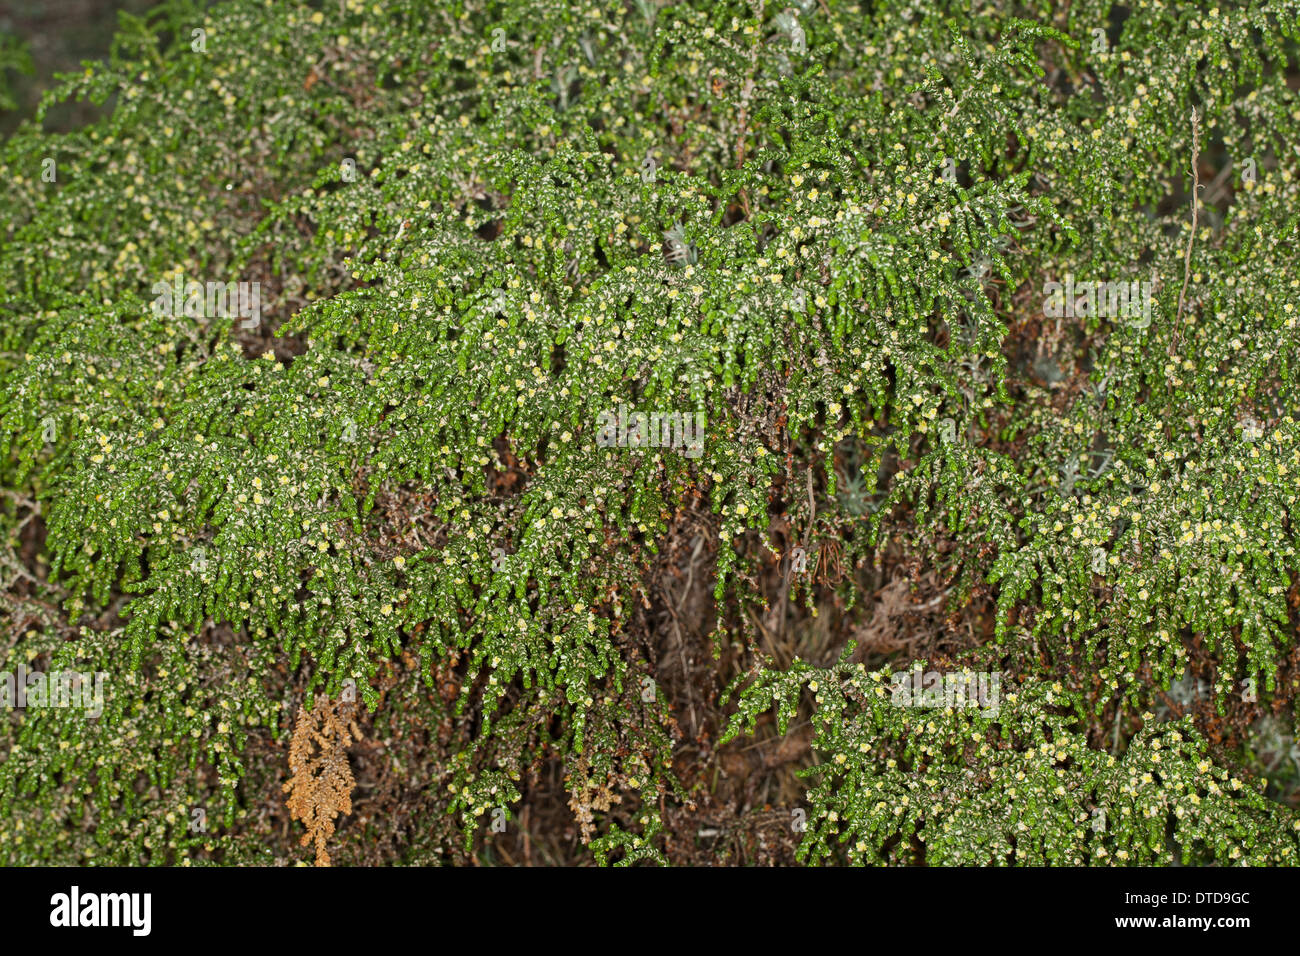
(321, 784)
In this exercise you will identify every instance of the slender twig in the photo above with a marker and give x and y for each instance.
(1187, 255)
(789, 571)
(812, 510)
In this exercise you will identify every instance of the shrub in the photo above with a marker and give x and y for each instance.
(479, 229)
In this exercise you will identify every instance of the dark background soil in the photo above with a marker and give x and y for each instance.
(59, 35)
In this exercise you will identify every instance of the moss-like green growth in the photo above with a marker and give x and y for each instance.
(476, 229)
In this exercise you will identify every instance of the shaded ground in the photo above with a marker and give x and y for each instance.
(59, 35)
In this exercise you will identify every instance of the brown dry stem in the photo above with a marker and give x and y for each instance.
(321, 784)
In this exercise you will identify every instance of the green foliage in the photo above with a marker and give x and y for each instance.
(1020, 785)
(676, 208)
(15, 56)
